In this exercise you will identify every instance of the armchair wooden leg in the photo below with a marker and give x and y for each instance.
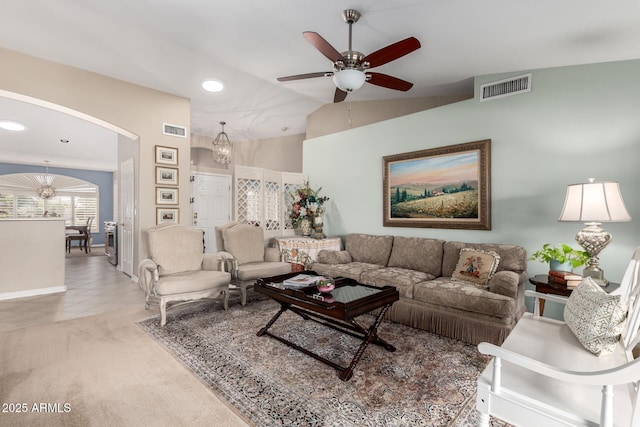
(225, 299)
(243, 295)
(163, 312)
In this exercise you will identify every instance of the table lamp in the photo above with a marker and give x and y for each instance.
(594, 203)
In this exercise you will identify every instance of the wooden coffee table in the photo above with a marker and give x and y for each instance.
(337, 310)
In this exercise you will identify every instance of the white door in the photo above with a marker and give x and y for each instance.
(211, 205)
(125, 231)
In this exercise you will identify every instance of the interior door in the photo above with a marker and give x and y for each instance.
(211, 205)
(125, 231)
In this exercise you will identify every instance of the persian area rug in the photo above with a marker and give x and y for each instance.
(428, 381)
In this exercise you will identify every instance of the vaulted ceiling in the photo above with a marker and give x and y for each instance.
(173, 46)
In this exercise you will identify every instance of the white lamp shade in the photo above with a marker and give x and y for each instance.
(594, 202)
(349, 80)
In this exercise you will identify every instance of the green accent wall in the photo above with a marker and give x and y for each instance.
(577, 123)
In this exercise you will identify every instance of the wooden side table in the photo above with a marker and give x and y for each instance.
(543, 285)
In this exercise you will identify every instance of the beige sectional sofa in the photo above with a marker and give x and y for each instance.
(430, 299)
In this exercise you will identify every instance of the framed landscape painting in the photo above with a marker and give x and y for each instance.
(445, 187)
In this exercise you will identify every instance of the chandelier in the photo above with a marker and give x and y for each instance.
(45, 191)
(222, 147)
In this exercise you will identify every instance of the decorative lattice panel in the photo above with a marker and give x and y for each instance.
(249, 201)
(272, 205)
(289, 191)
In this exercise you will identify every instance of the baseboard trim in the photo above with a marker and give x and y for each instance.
(32, 292)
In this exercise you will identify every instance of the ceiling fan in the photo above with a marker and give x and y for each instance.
(350, 68)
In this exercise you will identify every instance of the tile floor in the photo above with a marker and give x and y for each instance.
(93, 286)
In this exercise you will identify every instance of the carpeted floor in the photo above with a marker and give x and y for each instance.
(428, 381)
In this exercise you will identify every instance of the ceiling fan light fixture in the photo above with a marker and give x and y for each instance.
(222, 147)
(349, 80)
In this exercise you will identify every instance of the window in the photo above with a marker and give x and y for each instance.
(76, 200)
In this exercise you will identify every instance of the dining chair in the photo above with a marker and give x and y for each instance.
(84, 238)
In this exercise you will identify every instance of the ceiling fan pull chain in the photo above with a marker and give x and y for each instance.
(349, 115)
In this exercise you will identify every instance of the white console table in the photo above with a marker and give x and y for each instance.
(309, 245)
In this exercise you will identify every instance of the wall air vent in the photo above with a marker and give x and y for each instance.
(174, 130)
(506, 87)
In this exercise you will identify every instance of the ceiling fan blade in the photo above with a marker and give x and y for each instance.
(389, 82)
(322, 45)
(340, 95)
(392, 52)
(305, 76)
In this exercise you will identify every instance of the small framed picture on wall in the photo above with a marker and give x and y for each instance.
(166, 196)
(166, 155)
(166, 176)
(167, 215)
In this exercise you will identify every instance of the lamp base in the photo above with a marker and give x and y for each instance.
(596, 273)
(593, 239)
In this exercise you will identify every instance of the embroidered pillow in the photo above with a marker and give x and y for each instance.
(476, 266)
(595, 317)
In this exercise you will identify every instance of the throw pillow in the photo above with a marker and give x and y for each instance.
(595, 317)
(476, 266)
(333, 257)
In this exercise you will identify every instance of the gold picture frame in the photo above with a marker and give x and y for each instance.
(166, 155)
(167, 215)
(445, 187)
(166, 196)
(166, 176)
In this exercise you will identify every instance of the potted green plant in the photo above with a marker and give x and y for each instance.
(560, 256)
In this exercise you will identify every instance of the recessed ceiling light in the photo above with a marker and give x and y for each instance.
(11, 125)
(212, 85)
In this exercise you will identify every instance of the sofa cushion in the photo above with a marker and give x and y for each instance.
(326, 256)
(368, 248)
(400, 278)
(175, 248)
(193, 281)
(512, 257)
(245, 242)
(595, 317)
(352, 270)
(417, 253)
(256, 270)
(476, 266)
(445, 292)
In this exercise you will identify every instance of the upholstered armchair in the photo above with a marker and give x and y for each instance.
(178, 269)
(246, 258)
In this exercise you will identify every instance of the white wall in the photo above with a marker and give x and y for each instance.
(578, 122)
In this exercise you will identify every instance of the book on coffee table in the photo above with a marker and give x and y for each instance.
(300, 281)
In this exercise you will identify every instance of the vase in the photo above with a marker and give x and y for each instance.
(305, 227)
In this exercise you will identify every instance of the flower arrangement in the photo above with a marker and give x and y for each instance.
(307, 204)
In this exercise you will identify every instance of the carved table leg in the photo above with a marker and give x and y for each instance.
(370, 336)
(283, 308)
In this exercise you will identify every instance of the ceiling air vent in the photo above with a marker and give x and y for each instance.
(174, 130)
(506, 87)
